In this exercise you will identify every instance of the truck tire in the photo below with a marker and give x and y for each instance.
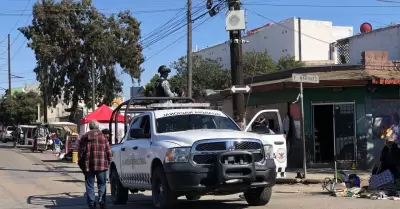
(258, 196)
(162, 196)
(119, 193)
(193, 197)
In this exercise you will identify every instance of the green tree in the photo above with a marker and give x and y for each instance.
(20, 109)
(70, 38)
(26, 110)
(207, 74)
(258, 63)
(288, 62)
(8, 113)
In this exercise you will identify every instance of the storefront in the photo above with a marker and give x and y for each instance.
(343, 114)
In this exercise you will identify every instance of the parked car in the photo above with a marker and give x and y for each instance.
(7, 136)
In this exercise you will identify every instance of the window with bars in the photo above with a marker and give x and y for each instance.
(343, 51)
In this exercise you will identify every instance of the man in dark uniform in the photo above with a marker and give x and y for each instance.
(162, 86)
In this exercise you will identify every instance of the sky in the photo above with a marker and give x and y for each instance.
(208, 31)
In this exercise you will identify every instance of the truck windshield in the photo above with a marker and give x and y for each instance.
(193, 121)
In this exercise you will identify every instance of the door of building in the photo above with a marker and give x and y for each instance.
(345, 132)
(334, 132)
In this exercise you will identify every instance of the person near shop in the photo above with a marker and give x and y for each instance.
(94, 157)
(57, 143)
(395, 126)
(390, 156)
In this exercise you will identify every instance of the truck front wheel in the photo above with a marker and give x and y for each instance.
(258, 196)
(162, 195)
(193, 197)
(119, 193)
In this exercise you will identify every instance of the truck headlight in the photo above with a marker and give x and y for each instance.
(177, 155)
(269, 151)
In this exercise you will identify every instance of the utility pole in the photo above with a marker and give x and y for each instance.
(45, 92)
(9, 66)
(93, 85)
(235, 38)
(189, 48)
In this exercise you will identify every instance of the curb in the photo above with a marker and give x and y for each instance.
(305, 181)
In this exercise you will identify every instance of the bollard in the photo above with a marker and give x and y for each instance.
(74, 157)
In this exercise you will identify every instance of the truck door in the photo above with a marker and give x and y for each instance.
(127, 156)
(268, 124)
(142, 154)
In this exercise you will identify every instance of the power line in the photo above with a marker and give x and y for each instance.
(19, 80)
(320, 6)
(109, 13)
(16, 23)
(177, 40)
(16, 52)
(166, 23)
(146, 45)
(177, 25)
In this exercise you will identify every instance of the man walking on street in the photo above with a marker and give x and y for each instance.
(94, 158)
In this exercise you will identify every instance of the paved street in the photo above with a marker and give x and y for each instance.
(36, 180)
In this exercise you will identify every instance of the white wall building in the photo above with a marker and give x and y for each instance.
(382, 39)
(282, 39)
(57, 113)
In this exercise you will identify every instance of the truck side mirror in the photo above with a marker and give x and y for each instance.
(136, 133)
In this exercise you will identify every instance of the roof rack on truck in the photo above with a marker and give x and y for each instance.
(144, 104)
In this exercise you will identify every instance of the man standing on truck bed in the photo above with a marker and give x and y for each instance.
(162, 87)
(94, 158)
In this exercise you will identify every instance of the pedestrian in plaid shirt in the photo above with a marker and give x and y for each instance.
(94, 158)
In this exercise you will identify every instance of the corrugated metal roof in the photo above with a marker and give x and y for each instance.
(368, 33)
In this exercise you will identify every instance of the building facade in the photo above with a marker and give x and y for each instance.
(282, 39)
(382, 39)
(344, 113)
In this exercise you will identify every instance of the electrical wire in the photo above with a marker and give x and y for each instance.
(320, 6)
(16, 23)
(163, 36)
(176, 25)
(163, 26)
(106, 13)
(177, 40)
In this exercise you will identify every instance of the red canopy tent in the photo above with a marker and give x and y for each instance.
(101, 114)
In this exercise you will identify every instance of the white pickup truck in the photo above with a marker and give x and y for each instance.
(184, 150)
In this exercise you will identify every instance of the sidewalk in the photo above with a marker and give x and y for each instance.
(51, 161)
(314, 175)
(317, 175)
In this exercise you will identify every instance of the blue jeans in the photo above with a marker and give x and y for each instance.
(101, 177)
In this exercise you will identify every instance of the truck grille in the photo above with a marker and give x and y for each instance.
(205, 152)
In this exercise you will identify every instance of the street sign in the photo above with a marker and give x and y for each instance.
(305, 78)
(239, 89)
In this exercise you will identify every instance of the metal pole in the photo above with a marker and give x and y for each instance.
(299, 33)
(303, 138)
(45, 77)
(189, 49)
(38, 110)
(237, 67)
(93, 85)
(9, 66)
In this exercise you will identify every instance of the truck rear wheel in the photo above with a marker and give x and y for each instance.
(258, 196)
(119, 193)
(162, 195)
